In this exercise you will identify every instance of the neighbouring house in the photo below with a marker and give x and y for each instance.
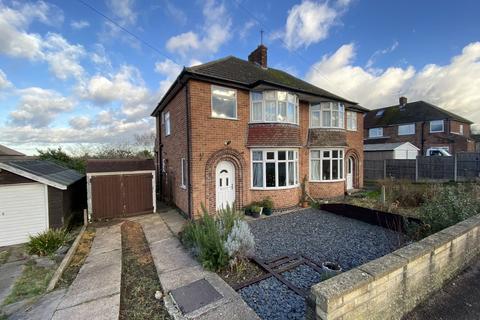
(424, 125)
(476, 138)
(236, 131)
(385, 151)
(36, 195)
(7, 153)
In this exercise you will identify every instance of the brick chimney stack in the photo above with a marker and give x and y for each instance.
(402, 101)
(259, 56)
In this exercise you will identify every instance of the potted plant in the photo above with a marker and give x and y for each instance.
(267, 205)
(248, 210)
(256, 211)
(303, 197)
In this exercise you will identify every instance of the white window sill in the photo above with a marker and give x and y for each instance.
(275, 188)
(407, 134)
(273, 122)
(332, 128)
(437, 131)
(326, 181)
(183, 187)
(222, 118)
(352, 130)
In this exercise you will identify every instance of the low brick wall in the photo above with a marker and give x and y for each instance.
(391, 286)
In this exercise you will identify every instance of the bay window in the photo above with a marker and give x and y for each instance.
(326, 165)
(274, 106)
(327, 115)
(274, 168)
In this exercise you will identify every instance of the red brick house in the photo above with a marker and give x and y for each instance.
(423, 124)
(236, 131)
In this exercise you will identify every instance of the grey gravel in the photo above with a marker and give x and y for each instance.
(303, 277)
(272, 300)
(323, 236)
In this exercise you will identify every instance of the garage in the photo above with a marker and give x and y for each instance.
(120, 188)
(36, 195)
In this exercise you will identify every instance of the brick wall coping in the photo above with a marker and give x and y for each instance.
(430, 262)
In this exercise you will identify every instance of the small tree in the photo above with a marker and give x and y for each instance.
(62, 158)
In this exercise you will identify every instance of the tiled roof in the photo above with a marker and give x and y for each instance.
(409, 113)
(275, 135)
(5, 151)
(119, 165)
(326, 138)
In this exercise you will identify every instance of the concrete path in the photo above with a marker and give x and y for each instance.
(176, 268)
(11, 269)
(95, 292)
(459, 299)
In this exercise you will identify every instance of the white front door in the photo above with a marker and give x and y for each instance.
(225, 184)
(350, 173)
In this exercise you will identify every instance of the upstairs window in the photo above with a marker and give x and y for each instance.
(406, 129)
(351, 121)
(327, 115)
(436, 126)
(375, 133)
(167, 123)
(274, 106)
(460, 129)
(224, 103)
(184, 173)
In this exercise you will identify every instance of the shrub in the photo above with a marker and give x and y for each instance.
(267, 203)
(207, 238)
(48, 242)
(240, 242)
(448, 206)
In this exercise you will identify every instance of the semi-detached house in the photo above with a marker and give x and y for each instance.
(233, 131)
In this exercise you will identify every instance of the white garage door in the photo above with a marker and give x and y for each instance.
(23, 212)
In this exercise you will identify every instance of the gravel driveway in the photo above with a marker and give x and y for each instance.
(323, 236)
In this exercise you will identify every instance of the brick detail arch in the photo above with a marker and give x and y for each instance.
(235, 157)
(356, 167)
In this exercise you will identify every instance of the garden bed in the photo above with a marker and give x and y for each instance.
(139, 277)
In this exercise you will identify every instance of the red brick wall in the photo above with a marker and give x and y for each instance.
(214, 140)
(175, 147)
(355, 150)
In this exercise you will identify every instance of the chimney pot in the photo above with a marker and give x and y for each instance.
(259, 56)
(402, 101)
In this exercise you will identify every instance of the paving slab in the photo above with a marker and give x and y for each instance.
(9, 272)
(106, 308)
(169, 255)
(43, 308)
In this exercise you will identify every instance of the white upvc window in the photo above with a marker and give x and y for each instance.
(351, 121)
(164, 165)
(437, 126)
(183, 164)
(406, 129)
(167, 123)
(274, 168)
(273, 106)
(326, 165)
(224, 103)
(375, 132)
(327, 115)
(460, 129)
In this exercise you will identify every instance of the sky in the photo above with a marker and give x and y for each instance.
(83, 72)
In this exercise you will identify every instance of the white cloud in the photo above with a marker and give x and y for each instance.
(80, 122)
(63, 57)
(246, 28)
(309, 22)
(170, 70)
(4, 83)
(453, 86)
(38, 107)
(175, 12)
(79, 24)
(123, 11)
(216, 30)
(381, 52)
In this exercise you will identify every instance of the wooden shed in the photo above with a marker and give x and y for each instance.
(36, 195)
(120, 188)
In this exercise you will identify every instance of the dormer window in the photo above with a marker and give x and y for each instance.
(327, 115)
(379, 113)
(274, 106)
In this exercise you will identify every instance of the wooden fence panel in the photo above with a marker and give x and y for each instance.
(436, 168)
(402, 169)
(373, 169)
(468, 166)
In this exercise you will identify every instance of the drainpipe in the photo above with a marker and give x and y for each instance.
(189, 146)
(422, 137)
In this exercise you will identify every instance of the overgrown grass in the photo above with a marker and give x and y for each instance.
(48, 242)
(139, 277)
(32, 282)
(4, 255)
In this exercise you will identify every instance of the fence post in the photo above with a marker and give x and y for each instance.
(455, 168)
(384, 169)
(416, 169)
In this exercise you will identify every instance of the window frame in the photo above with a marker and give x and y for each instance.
(409, 133)
(168, 127)
(328, 108)
(375, 136)
(321, 159)
(296, 104)
(212, 87)
(354, 120)
(183, 168)
(461, 129)
(264, 161)
(437, 121)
